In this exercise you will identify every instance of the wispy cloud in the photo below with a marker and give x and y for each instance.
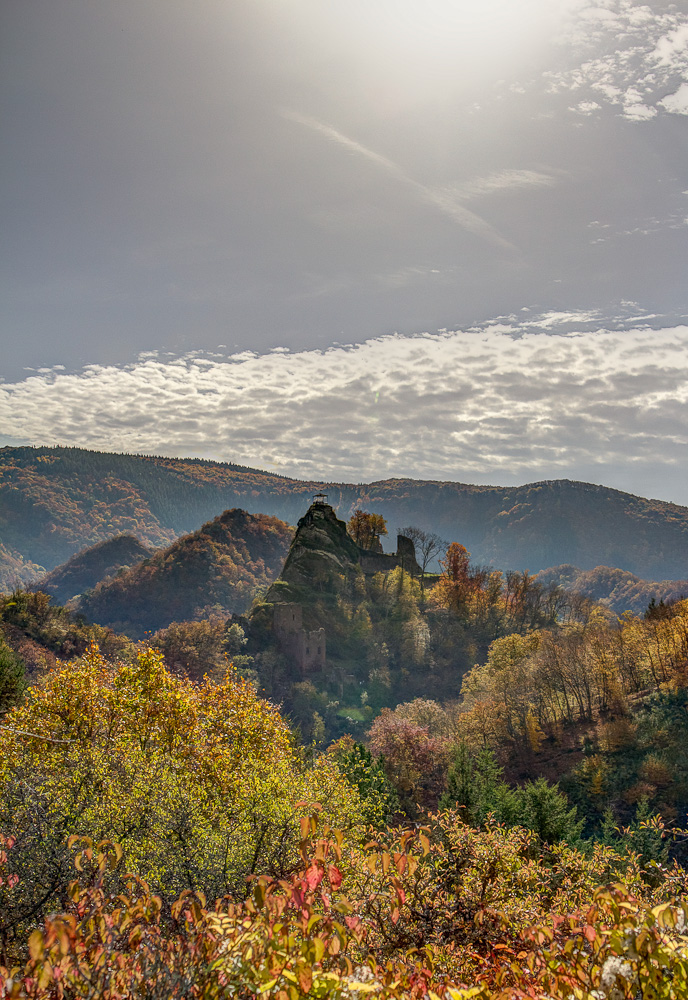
(445, 200)
(500, 181)
(555, 395)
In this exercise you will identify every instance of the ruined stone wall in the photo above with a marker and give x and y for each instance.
(309, 650)
(380, 562)
(286, 618)
(306, 649)
(377, 562)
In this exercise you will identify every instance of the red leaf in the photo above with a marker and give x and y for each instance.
(335, 877)
(314, 877)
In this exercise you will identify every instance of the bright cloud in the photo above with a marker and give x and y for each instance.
(548, 399)
(678, 102)
(631, 56)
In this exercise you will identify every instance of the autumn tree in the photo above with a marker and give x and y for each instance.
(456, 583)
(414, 761)
(197, 782)
(366, 528)
(195, 648)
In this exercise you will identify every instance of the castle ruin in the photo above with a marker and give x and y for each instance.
(322, 547)
(306, 649)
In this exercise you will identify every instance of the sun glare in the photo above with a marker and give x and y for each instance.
(430, 47)
(484, 31)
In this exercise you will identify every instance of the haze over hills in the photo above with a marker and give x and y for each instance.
(618, 589)
(91, 566)
(53, 501)
(216, 568)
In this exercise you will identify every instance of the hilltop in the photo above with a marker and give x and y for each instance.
(92, 566)
(53, 501)
(216, 569)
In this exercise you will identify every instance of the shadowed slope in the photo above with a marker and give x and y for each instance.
(217, 568)
(92, 566)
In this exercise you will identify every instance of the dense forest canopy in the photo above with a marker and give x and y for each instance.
(618, 589)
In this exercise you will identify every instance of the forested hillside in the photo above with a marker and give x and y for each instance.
(161, 838)
(616, 588)
(519, 790)
(214, 570)
(91, 566)
(15, 570)
(54, 501)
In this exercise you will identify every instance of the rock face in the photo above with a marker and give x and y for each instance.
(321, 552)
(321, 546)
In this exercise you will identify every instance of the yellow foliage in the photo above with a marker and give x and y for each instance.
(616, 734)
(594, 771)
(534, 732)
(655, 771)
(190, 780)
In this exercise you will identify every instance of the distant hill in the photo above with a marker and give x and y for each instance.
(617, 588)
(91, 566)
(217, 568)
(53, 501)
(15, 570)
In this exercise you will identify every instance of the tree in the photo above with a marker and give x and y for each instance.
(427, 545)
(194, 648)
(379, 800)
(414, 761)
(197, 782)
(462, 790)
(366, 528)
(456, 583)
(546, 811)
(11, 677)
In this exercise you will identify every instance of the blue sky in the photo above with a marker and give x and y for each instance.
(357, 194)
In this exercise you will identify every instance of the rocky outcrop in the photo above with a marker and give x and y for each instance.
(321, 546)
(321, 553)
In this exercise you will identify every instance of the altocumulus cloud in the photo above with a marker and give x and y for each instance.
(496, 403)
(634, 58)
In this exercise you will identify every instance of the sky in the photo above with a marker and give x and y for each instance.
(351, 239)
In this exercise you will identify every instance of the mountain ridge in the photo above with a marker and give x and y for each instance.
(53, 501)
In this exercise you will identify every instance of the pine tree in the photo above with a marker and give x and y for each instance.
(461, 785)
(11, 677)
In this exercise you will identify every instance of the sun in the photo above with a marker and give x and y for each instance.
(476, 30)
